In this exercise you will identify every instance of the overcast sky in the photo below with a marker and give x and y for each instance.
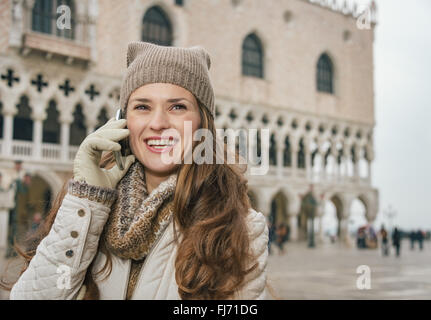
(402, 58)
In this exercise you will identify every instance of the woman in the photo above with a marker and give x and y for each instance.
(157, 229)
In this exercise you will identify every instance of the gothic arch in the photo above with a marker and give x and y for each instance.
(252, 46)
(338, 202)
(153, 13)
(334, 70)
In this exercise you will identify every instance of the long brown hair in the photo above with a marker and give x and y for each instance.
(210, 209)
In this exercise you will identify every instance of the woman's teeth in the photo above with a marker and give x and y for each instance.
(160, 143)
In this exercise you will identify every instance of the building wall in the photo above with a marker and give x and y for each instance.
(291, 50)
(5, 19)
(288, 89)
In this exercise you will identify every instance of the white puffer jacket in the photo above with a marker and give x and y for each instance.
(57, 270)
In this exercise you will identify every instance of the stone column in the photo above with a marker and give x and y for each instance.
(280, 151)
(4, 226)
(38, 135)
(370, 158)
(344, 224)
(343, 165)
(294, 156)
(293, 224)
(320, 236)
(64, 139)
(343, 230)
(308, 168)
(6, 203)
(355, 161)
(7, 134)
(252, 145)
(38, 116)
(37, 138)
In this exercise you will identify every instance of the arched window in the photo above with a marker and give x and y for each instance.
(340, 155)
(102, 118)
(301, 154)
(272, 151)
(22, 122)
(353, 154)
(78, 130)
(287, 156)
(51, 126)
(44, 17)
(259, 147)
(156, 27)
(252, 57)
(325, 74)
(327, 154)
(313, 157)
(1, 120)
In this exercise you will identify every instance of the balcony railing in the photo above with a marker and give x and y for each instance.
(22, 149)
(27, 150)
(53, 153)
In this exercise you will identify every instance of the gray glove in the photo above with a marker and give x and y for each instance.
(86, 164)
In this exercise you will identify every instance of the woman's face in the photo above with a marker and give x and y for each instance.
(152, 109)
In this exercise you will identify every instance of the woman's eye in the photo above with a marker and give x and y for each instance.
(178, 107)
(141, 107)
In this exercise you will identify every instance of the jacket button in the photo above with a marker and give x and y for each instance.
(69, 253)
(74, 234)
(81, 212)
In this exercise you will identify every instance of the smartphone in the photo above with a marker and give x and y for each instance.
(125, 150)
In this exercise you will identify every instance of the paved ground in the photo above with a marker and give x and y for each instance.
(329, 272)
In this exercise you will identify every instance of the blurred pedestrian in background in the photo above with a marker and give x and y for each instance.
(309, 206)
(22, 205)
(271, 235)
(282, 234)
(420, 239)
(396, 241)
(384, 237)
(19, 215)
(412, 237)
(361, 238)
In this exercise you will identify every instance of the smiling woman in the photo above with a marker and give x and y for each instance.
(150, 112)
(155, 230)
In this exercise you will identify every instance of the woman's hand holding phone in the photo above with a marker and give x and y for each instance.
(86, 164)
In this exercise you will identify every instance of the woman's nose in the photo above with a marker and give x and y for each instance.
(159, 121)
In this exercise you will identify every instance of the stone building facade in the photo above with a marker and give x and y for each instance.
(303, 69)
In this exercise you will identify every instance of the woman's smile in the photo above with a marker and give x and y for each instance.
(160, 144)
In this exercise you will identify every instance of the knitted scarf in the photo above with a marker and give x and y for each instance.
(137, 219)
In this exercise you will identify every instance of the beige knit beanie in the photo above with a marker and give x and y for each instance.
(185, 67)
